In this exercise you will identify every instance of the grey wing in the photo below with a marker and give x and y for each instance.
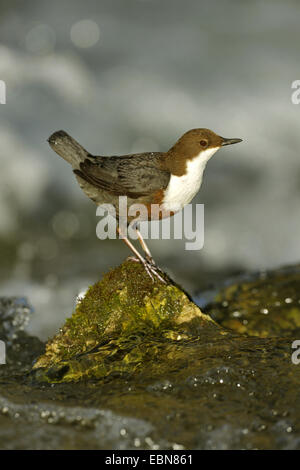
(132, 175)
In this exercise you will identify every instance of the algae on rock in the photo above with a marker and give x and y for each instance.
(122, 322)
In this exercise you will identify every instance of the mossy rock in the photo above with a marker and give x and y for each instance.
(265, 305)
(123, 321)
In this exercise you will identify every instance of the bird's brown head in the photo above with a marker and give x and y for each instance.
(195, 143)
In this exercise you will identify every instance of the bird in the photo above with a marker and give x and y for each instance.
(167, 180)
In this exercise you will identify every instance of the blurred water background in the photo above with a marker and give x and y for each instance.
(129, 76)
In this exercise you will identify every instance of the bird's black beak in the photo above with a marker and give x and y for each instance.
(230, 141)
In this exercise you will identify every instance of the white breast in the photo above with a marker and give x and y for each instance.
(182, 189)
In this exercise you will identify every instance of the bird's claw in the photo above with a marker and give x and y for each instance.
(150, 267)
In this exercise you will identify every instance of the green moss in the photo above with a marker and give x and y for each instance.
(118, 325)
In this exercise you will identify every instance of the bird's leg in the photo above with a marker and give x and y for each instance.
(144, 246)
(149, 267)
(138, 256)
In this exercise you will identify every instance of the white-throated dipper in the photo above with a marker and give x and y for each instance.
(169, 179)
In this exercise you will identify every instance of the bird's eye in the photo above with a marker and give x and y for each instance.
(203, 143)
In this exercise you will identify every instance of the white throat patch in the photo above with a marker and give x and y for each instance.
(182, 189)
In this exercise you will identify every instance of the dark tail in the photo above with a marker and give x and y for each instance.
(67, 148)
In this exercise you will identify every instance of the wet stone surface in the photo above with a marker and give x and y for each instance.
(266, 304)
(160, 377)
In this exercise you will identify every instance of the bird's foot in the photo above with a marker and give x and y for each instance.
(150, 260)
(150, 267)
(153, 270)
